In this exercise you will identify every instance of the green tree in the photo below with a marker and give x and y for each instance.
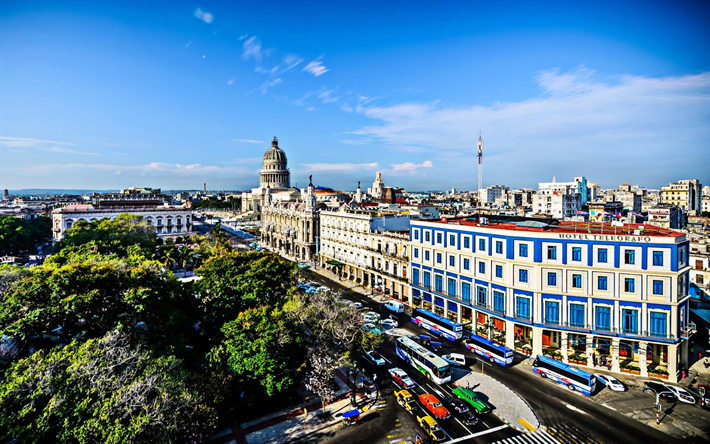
(104, 390)
(111, 236)
(261, 343)
(18, 235)
(219, 239)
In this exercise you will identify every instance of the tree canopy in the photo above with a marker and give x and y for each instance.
(18, 235)
(111, 236)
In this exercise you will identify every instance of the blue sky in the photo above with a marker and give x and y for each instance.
(174, 94)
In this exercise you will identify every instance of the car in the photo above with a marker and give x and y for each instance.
(456, 359)
(611, 382)
(406, 400)
(461, 410)
(681, 394)
(432, 403)
(375, 358)
(655, 387)
(401, 378)
(468, 418)
(357, 305)
(370, 316)
(371, 328)
(470, 397)
(389, 323)
(431, 428)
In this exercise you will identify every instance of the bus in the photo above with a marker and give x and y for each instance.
(451, 330)
(432, 366)
(572, 377)
(490, 350)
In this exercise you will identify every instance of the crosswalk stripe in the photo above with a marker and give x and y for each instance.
(536, 437)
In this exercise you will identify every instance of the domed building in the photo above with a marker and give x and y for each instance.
(275, 173)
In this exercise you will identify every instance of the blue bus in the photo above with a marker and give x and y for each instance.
(450, 330)
(572, 377)
(490, 350)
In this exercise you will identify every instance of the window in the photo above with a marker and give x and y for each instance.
(657, 258)
(481, 296)
(603, 319)
(415, 276)
(552, 279)
(452, 287)
(481, 267)
(438, 283)
(416, 253)
(602, 283)
(499, 247)
(658, 287)
(552, 253)
(452, 261)
(466, 242)
(427, 279)
(498, 301)
(630, 285)
(482, 244)
(577, 254)
(602, 255)
(576, 315)
(438, 258)
(416, 234)
(522, 307)
(629, 320)
(552, 312)
(499, 271)
(426, 237)
(466, 292)
(452, 239)
(466, 264)
(523, 250)
(438, 238)
(523, 276)
(426, 255)
(576, 281)
(658, 324)
(629, 257)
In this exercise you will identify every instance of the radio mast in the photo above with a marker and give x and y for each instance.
(480, 172)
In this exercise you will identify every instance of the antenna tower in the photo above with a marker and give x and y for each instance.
(480, 172)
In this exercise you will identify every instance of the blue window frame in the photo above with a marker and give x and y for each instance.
(498, 301)
(629, 257)
(499, 247)
(466, 242)
(523, 250)
(552, 312)
(426, 237)
(466, 264)
(481, 267)
(629, 320)
(552, 279)
(438, 283)
(576, 281)
(466, 292)
(416, 253)
(416, 234)
(602, 318)
(602, 256)
(659, 323)
(415, 275)
(452, 240)
(657, 258)
(452, 287)
(499, 271)
(452, 261)
(481, 294)
(426, 255)
(551, 252)
(522, 307)
(438, 258)
(577, 254)
(602, 283)
(481, 244)
(427, 279)
(657, 287)
(523, 276)
(438, 238)
(576, 315)
(630, 285)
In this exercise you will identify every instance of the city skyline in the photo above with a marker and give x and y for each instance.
(173, 95)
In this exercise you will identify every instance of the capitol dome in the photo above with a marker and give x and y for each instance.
(274, 173)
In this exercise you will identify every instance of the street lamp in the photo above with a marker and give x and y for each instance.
(657, 405)
(353, 375)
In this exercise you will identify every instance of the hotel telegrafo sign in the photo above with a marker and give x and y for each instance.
(605, 237)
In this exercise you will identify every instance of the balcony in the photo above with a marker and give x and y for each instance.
(522, 317)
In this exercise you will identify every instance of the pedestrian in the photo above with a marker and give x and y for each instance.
(682, 374)
(374, 377)
(594, 359)
(468, 385)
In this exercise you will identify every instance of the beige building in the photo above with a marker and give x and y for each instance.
(686, 194)
(274, 175)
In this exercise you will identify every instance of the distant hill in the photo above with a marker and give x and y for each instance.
(59, 191)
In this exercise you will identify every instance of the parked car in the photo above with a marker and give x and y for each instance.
(470, 397)
(406, 400)
(390, 323)
(431, 428)
(682, 394)
(401, 378)
(375, 358)
(370, 316)
(656, 387)
(432, 403)
(611, 382)
(357, 305)
(372, 328)
(456, 359)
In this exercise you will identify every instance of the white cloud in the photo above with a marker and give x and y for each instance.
(409, 166)
(612, 130)
(204, 15)
(266, 85)
(189, 42)
(230, 82)
(340, 166)
(291, 61)
(327, 95)
(316, 68)
(28, 142)
(310, 108)
(247, 141)
(57, 149)
(354, 142)
(251, 49)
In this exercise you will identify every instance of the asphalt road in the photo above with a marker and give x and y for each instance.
(574, 417)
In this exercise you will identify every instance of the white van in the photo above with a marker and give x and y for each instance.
(455, 359)
(395, 306)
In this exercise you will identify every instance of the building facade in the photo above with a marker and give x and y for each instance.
(686, 194)
(559, 204)
(550, 290)
(274, 175)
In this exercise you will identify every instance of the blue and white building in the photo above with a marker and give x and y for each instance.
(576, 292)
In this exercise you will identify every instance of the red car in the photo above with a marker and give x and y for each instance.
(400, 378)
(432, 404)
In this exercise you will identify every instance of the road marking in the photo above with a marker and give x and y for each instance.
(388, 361)
(575, 409)
(457, 420)
(526, 425)
(473, 435)
(437, 391)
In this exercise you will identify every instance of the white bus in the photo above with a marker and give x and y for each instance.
(490, 350)
(453, 331)
(432, 366)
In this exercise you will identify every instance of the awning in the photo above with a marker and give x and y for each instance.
(334, 262)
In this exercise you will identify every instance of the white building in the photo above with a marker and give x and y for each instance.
(686, 194)
(378, 187)
(558, 203)
(579, 184)
(274, 175)
(491, 193)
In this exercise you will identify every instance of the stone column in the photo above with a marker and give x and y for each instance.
(537, 341)
(564, 346)
(615, 355)
(446, 308)
(590, 350)
(510, 334)
(459, 315)
(643, 365)
(673, 364)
